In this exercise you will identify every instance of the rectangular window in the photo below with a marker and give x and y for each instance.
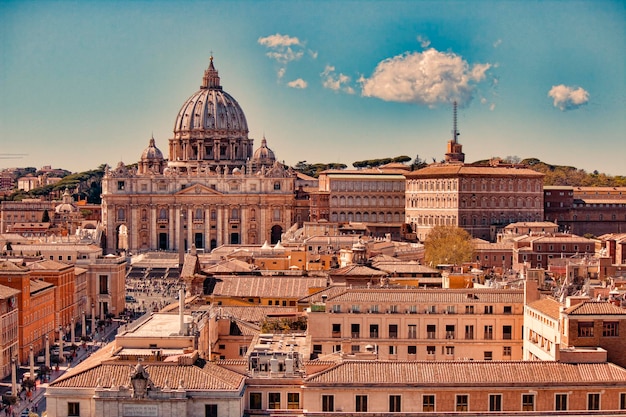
(528, 402)
(469, 332)
(273, 399)
(428, 403)
(412, 350)
(560, 402)
(469, 309)
(462, 403)
(508, 310)
(488, 356)
(488, 332)
(622, 401)
(328, 403)
(506, 350)
(610, 329)
(395, 404)
(355, 329)
(374, 331)
(336, 330)
(293, 400)
(210, 410)
(355, 348)
(449, 350)
(73, 409)
(585, 329)
(450, 333)
(393, 331)
(255, 401)
(430, 350)
(507, 332)
(120, 185)
(393, 350)
(495, 402)
(488, 309)
(104, 284)
(593, 401)
(361, 403)
(431, 329)
(412, 331)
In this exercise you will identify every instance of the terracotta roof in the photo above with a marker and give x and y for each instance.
(405, 267)
(453, 170)
(229, 266)
(548, 306)
(470, 373)
(266, 286)
(6, 292)
(255, 314)
(38, 285)
(7, 266)
(594, 308)
(451, 296)
(357, 271)
(48, 265)
(209, 378)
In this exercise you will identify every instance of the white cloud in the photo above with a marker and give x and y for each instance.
(282, 48)
(568, 98)
(428, 78)
(299, 83)
(278, 40)
(281, 73)
(313, 54)
(497, 43)
(336, 82)
(424, 42)
(492, 106)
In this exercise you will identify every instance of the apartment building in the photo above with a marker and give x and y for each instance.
(417, 324)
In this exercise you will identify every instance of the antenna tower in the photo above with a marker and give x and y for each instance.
(455, 132)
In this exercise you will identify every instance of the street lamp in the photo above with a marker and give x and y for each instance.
(47, 352)
(60, 344)
(93, 319)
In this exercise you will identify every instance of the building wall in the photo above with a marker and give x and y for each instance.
(332, 328)
(9, 326)
(106, 290)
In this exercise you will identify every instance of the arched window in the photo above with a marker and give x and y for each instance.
(162, 214)
(199, 214)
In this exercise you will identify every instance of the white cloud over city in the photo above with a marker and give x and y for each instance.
(428, 78)
(285, 49)
(299, 83)
(568, 98)
(336, 81)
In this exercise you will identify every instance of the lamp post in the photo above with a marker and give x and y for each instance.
(60, 344)
(47, 352)
(93, 319)
(31, 357)
(83, 329)
(13, 376)
(73, 332)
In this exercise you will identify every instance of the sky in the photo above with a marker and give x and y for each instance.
(83, 83)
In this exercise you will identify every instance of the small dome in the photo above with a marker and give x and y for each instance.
(66, 206)
(264, 155)
(152, 153)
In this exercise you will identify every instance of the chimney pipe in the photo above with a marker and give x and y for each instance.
(181, 311)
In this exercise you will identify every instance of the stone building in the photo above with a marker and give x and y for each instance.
(479, 199)
(213, 189)
(586, 210)
(9, 327)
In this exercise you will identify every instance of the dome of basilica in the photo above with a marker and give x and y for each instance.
(152, 153)
(211, 108)
(264, 155)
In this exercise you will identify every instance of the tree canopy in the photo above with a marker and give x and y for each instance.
(313, 170)
(448, 245)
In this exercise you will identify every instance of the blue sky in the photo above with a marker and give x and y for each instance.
(85, 83)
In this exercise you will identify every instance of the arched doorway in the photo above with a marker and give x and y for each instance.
(277, 232)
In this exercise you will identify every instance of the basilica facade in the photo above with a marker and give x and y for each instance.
(213, 189)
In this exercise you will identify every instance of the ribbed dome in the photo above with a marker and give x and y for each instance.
(152, 153)
(264, 155)
(211, 108)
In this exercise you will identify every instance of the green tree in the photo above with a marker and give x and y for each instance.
(46, 217)
(448, 245)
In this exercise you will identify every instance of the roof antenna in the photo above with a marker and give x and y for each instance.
(455, 131)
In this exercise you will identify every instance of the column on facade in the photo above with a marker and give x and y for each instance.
(154, 244)
(190, 239)
(207, 227)
(243, 222)
(200, 143)
(133, 228)
(111, 238)
(177, 221)
(171, 235)
(220, 224)
(262, 226)
(216, 150)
